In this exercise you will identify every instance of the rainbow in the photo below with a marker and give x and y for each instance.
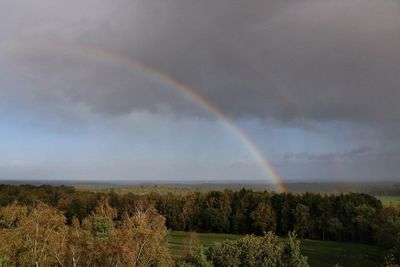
(189, 92)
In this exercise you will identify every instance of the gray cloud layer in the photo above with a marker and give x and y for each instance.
(347, 155)
(316, 59)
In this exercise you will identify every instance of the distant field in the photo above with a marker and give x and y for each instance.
(177, 241)
(320, 253)
(168, 188)
(389, 200)
(193, 186)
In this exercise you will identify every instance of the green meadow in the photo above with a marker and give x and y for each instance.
(319, 253)
(389, 200)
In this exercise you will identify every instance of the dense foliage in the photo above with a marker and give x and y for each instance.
(342, 217)
(39, 236)
(250, 250)
(353, 217)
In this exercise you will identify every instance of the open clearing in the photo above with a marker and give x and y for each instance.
(320, 253)
(389, 200)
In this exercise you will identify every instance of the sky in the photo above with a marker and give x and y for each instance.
(193, 90)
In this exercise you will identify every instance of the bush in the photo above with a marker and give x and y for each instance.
(250, 251)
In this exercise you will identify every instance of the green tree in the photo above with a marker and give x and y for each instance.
(334, 228)
(264, 218)
(292, 255)
(366, 221)
(253, 251)
(196, 258)
(214, 220)
(302, 220)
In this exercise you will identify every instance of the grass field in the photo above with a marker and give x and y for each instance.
(320, 253)
(389, 200)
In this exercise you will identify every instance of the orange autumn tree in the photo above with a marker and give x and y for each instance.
(30, 236)
(141, 239)
(39, 236)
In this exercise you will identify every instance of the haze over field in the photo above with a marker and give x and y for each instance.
(177, 89)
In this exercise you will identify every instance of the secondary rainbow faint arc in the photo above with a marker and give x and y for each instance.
(187, 90)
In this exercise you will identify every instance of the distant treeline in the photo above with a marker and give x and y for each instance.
(393, 190)
(345, 217)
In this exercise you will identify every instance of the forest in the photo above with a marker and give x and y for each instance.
(62, 226)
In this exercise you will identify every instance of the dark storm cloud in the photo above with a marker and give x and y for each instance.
(319, 60)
